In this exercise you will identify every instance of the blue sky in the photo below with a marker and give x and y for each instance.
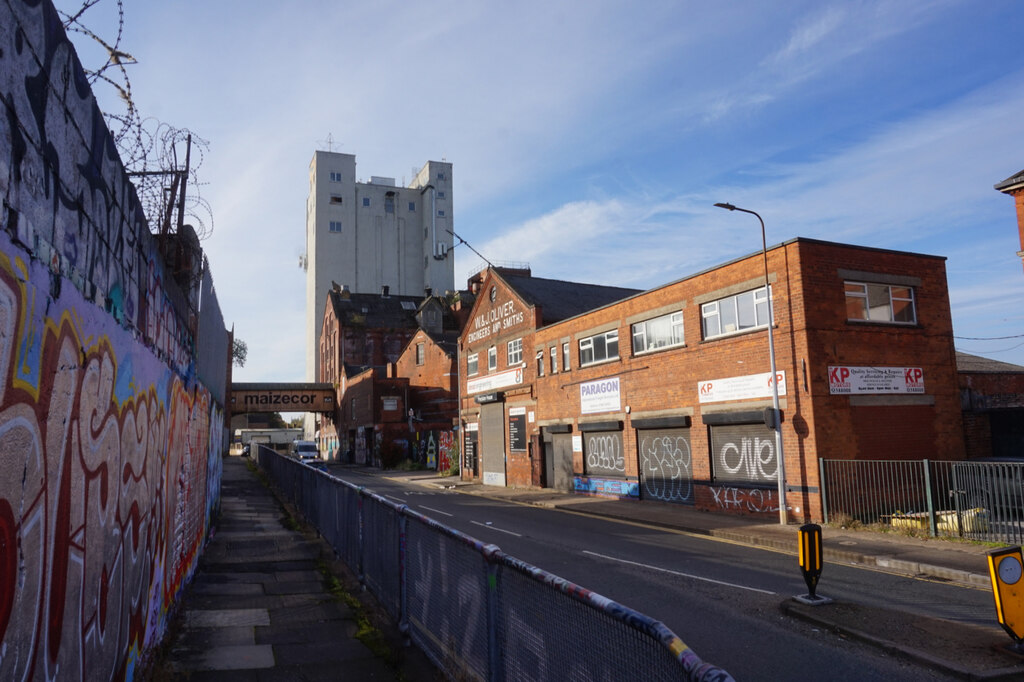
(591, 139)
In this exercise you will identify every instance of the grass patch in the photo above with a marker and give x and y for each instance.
(366, 632)
(844, 521)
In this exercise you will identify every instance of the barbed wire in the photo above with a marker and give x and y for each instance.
(151, 151)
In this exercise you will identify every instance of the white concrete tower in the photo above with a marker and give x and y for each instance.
(371, 235)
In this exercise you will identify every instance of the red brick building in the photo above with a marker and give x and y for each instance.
(1014, 187)
(992, 397)
(362, 335)
(391, 361)
(662, 394)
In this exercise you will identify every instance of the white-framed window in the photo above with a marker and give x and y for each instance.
(420, 354)
(732, 314)
(540, 363)
(565, 357)
(515, 352)
(366, 201)
(335, 176)
(880, 303)
(472, 364)
(335, 226)
(492, 358)
(554, 359)
(665, 331)
(599, 348)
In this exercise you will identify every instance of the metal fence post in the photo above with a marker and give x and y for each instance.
(822, 486)
(933, 526)
(403, 577)
(494, 669)
(360, 543)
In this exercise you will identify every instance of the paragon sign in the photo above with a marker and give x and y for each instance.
(282, 398)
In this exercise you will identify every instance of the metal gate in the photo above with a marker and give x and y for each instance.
(492, 443)
(666, 463)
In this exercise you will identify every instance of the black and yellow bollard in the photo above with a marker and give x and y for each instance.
(810, 557)
(1006, 570)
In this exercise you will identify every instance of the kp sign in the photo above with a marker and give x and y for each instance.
(848, 380)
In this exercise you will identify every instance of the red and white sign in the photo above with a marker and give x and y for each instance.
(845, 380)
(740, 388)
(491, 382)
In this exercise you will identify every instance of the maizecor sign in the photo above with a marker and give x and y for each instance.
(282, 398)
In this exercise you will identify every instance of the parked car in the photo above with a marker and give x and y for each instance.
(304, 450)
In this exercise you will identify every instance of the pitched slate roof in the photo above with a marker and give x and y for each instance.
(374, 311)
(560, 300)
(1010, 181)
(975, 364)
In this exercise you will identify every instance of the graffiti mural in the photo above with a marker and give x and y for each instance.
(110, 449)
(605, 487)
(665, 462)
(111, 470)
(445, 449)
(756, 500)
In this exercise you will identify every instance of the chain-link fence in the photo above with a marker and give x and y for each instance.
(475, 611)
(978, 500)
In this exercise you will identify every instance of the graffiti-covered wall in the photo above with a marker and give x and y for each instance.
(110, 446)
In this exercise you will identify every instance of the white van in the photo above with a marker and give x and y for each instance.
(304, 450)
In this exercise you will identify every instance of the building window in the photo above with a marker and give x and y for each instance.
(880, 303)
(554, 360)
(441, 213)
(440, 176)
(492, 359)
(366, 201)
(389, 205)
(335, 226)
(565, 357)
(412, 207)
(472, 364)
(440, 195)
(733, 314)
(599, 348)
(335, 199)
(352, 409)
(515, 352)
(540, 363)
(335, 176)
(665, 331)
(419, 353)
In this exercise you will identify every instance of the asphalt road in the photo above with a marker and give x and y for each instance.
(721, 598)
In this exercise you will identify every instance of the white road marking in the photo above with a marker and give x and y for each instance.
(396, 499)
(684, 575)
(436, 511)
(489, 526)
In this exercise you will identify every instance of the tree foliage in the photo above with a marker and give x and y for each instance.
(239, 352)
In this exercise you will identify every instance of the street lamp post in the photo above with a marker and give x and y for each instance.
(776, 416)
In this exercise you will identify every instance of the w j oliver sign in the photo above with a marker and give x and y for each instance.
(600, 396)
(844, 380)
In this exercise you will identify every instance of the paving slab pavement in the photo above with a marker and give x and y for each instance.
(258, 609)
